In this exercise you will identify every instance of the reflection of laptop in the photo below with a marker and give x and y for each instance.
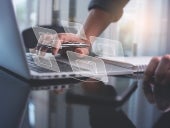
(12, 51)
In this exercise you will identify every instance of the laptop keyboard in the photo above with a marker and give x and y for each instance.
(63, 66)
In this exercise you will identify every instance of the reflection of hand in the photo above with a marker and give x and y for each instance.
(156, 81)
(54, 42)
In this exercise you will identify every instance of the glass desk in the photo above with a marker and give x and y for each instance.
(88, 105)
(80, 105)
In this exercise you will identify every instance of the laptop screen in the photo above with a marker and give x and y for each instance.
(12, 55)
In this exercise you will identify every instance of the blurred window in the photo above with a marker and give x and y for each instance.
(26, 12)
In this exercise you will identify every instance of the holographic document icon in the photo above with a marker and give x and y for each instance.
(88, 66)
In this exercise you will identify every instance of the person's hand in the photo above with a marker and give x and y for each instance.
(54, 41)
(158, 71)
(157, 78)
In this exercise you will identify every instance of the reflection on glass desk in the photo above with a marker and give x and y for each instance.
(52, 108)
(13, 96)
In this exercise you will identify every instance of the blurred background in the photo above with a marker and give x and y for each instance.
(142, 30)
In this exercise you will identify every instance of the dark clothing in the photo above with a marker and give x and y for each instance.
(112, 6)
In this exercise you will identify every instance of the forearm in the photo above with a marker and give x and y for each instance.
(101, 14)
(96, 22)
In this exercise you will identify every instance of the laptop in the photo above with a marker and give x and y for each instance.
(13, 55)
(12, 50)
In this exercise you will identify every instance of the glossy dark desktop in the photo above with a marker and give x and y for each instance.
(14, 94)
(81, 105)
